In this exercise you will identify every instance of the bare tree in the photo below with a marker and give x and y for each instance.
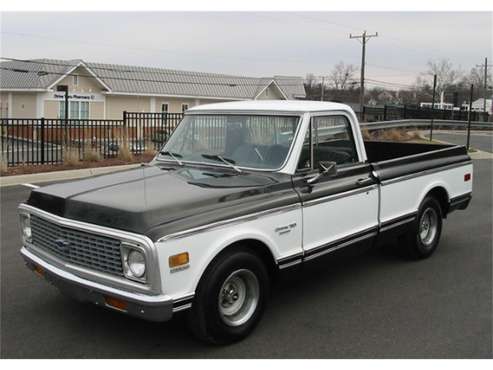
(447, 75)
(342, 75)
(310, 80)
(476, 77)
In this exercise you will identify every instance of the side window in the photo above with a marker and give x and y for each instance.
(329, 138)
(333, 140)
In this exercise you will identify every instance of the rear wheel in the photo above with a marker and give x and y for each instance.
(230, 298)
(424, 237)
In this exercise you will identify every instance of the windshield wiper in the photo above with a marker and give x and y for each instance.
(227, 161)
(173, 155)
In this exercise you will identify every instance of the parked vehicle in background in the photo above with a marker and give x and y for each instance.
(111, 148)
(240, 191)
(137, 146)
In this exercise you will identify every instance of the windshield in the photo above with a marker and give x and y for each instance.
(251, 141)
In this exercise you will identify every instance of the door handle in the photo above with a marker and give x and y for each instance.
(364, 182)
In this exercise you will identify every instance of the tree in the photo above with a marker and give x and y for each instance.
(447, 76)
(476, 77)
(342, 76)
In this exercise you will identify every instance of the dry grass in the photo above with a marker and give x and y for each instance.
(91, 155)
(393, 134)
(149, 145)
(70, 156)
(124, 154)
(366, 134)
(3, 164)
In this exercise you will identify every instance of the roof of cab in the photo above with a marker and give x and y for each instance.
(273, 105)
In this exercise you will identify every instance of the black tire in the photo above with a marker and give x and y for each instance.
(420, 242)
(206, 318)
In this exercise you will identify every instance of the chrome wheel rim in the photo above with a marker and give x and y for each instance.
(238, 297)
(428, 226)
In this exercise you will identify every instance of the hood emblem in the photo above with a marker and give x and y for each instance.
(62, 245)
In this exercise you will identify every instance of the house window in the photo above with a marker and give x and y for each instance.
(84, 110)
(76, 80)
(77, 110)
(165, 108)
(184, 107)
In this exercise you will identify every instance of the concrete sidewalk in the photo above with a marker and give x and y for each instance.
(61, 175)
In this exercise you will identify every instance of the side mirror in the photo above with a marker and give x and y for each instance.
(326, 168)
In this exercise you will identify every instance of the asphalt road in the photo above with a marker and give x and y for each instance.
(482, 141)
(371, 306)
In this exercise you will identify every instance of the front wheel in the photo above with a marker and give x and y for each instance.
(422, 240)
(230, 298)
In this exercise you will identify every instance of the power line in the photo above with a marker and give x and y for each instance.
(364, 39)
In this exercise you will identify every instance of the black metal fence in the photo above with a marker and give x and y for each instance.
(34, 141)
(391, 112)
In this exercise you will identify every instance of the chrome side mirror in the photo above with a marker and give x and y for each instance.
(326, 168)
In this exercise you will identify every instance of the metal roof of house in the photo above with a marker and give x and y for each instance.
(123, 79)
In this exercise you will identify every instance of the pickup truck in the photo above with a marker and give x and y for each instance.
(240, 191)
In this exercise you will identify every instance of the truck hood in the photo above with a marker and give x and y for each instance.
(157, 200)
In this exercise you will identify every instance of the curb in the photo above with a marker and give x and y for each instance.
(61, 175)
(478, 154)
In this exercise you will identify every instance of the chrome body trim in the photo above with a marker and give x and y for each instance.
(339, 195)
(424, 172)
(336, 247)
(152, 286)
(391, 224)
(149, 307)
(225, 223)
(70, 277)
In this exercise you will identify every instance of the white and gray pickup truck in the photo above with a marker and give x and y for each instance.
(240, 191)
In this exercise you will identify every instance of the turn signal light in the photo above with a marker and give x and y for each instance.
(178, 259)
(467, 177)
(116, 303)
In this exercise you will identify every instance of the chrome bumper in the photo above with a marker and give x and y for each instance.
(148, 307)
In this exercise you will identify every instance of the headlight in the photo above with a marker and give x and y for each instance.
(26, 228)
(136, 263)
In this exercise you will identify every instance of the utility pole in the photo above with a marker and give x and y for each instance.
(433, 105)
(322, 87)
(485, 84)
(364, 38)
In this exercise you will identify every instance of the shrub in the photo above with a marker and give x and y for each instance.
(366, 134)
(91, 155)
(124, 154)
(70, 156)
(3, 164)
(149, 151)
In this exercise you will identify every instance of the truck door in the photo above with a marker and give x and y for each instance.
(339, 209)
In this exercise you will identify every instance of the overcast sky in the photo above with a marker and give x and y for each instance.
(253, 44)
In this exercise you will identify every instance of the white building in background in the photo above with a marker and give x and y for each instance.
(28, 89)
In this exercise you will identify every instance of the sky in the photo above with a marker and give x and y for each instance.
(254, 43)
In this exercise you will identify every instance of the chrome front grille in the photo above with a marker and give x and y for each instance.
(80, 248)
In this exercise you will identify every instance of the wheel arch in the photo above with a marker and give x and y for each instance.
(440, 193)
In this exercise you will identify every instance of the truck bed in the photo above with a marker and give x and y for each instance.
(395, 159)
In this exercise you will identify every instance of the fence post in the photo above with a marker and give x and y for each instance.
(404, 112)
(42, 139)
(469, 118)
(385, 112)
(363, 114)
(125, 129)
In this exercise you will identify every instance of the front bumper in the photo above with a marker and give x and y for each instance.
(148, 307)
